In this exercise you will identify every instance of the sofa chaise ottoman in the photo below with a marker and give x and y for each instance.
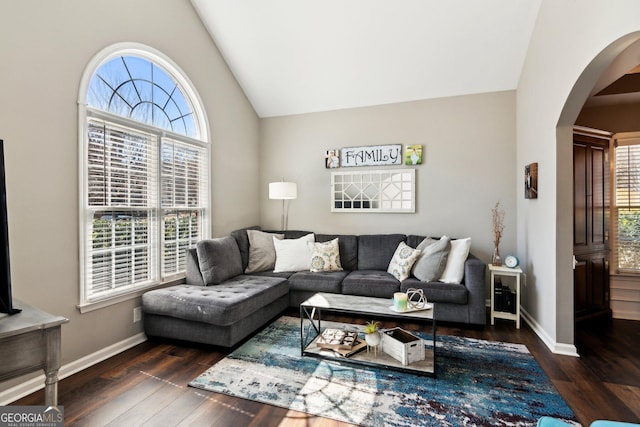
(221, 315)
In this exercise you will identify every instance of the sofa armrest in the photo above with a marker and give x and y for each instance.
(194, 275)
(475, 282)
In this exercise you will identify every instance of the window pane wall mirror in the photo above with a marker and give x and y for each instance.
(389, 190)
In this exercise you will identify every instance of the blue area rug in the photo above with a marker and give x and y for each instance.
(478, 383)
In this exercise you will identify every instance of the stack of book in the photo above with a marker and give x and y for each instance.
(504, 299)
(340, 341)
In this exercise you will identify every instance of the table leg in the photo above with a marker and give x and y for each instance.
(435, 344)
(52, 365)
(305, 332)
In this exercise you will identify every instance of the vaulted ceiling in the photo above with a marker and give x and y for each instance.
(300, 56)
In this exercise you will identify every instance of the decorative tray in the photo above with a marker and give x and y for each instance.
(337, 339)
(427, 306)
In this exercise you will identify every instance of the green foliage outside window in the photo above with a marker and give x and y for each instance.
(629, 239)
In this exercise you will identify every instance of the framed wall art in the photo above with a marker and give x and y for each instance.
(332, 159)
(531, 181)
(413, 155)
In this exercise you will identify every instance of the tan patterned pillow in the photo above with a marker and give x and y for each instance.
(402, 261)
(325, 256)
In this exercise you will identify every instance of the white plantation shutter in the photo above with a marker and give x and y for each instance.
(121, 182)
(626, 205)
(184, 198)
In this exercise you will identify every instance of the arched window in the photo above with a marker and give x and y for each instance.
(144, 173)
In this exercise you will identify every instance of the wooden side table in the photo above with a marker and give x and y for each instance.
(505, 271)
(31, 340)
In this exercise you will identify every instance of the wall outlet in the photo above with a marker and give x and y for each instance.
(137, 314)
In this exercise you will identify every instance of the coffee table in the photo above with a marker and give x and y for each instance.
(311, 327)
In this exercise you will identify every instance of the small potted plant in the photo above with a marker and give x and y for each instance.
(371, 334)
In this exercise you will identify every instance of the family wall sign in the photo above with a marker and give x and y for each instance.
(373, 155)
(377, 155)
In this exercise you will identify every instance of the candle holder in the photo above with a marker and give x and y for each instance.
(400, 301)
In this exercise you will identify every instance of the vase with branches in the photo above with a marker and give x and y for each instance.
(498, 226)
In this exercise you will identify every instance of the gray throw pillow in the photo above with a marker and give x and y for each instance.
(262, 253)
(432, 260)
(219, 259)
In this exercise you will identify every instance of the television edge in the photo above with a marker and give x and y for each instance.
(6, 300)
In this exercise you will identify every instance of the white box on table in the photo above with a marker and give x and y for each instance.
(406, 348)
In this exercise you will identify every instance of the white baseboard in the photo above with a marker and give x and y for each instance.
(555, 347)
(14, 393)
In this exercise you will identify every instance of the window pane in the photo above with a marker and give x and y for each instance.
(120, 246)
(627, 208)
(129, 94)
(628, 239)
(121, 166)
(181, 231)
(183, 175)
(628, 175)
(100, 270)
(133, 87)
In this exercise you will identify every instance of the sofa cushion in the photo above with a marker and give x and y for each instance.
(376, 250)
(291, 234)
(224, 304)
(243, 243)
(262, 254)
(370, 283)
(402, 261)
(219, 259)
(325, 256)
(348, 245)
(454, 270)
(438, 291)
(432, 260)
(271, 273)
(293, 254)
(194, 276)
(413, 240)
(324, 281)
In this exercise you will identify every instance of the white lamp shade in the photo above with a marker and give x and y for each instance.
(283, 190)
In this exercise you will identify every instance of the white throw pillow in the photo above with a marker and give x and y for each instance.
(325, 256)
(293, 254)
(403, 259)
(454, 270)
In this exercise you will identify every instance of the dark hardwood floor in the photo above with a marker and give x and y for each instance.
(147, 385)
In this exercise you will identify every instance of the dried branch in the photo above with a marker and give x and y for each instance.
(498, 223)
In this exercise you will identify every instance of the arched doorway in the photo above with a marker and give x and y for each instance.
(609, 65)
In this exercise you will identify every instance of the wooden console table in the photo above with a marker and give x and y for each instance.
(30, 340)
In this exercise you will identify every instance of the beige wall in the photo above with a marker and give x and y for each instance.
(560, 71)
(468, 165)
(44, 49)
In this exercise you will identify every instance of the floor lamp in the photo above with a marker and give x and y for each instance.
(283, 191)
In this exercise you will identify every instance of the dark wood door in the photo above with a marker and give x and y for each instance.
(591, 227)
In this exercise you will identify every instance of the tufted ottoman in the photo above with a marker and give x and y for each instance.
(221, 315)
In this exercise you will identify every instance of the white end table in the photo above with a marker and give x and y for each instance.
(505, 271)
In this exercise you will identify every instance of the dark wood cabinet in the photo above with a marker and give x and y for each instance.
(591, 227)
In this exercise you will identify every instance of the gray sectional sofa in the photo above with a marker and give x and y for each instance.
(221, 305)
